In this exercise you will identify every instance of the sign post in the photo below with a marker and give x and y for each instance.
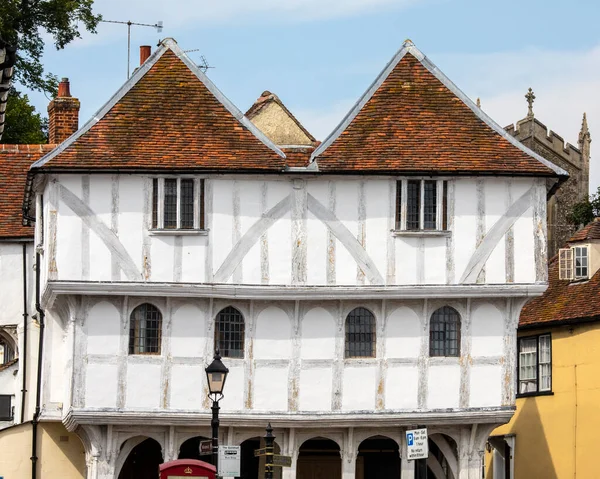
(230, 461)
(206, 447)
(417, 449)
(271, 459)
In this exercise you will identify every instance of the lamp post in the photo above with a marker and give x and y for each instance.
(216, 374)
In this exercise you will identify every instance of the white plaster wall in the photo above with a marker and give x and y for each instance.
(55, 355)
(486, 386)
(101, 385)
(11, 282)
(143, 384)
(238, 204)
(318, 335)
(347, 212)
(359, 388)
(315, 389)
(271, 388)
(443, 386)
(101, 203)
(401, 387)
(130, 220)
(487, 330)
(403, 334)
(273, 334)
(235, 386)
(496, 204)
(103, 326)
(465, 223)
(187, 386)
(188, 331)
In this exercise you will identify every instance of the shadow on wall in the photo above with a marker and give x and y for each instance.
(61, 452)
(532, 457)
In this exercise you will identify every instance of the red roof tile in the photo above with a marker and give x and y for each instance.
(564, 300)
(15, 161)
(298, 157)
(589, 232)
(414, 123)
(168, 119)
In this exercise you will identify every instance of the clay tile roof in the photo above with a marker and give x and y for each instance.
(298, 157)
(413, 119)
(563, 301)
(169, 115)
(589, 232)
(15, 161)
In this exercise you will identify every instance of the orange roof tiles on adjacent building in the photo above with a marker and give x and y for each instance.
(566, 301)
(413, 119)
(15, 161)
(589, 232)
(168, 116)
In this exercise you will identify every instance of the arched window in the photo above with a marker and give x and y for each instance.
(444, 332)
(360, 334)
(145, 330)
(229, 333)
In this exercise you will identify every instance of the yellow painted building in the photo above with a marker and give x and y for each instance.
(553, 432)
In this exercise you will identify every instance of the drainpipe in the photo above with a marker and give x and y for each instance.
(24, 352)
(36, 415)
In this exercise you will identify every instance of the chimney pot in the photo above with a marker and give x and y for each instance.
(64, 88)
(145, 51)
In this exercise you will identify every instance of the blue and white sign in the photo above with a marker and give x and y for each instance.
(416, 444)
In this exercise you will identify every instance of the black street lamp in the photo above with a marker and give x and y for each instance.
(216, 374)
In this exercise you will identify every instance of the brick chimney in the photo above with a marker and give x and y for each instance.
(145, 51)
(63, 113)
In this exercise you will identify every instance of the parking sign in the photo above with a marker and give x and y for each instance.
(416, 444)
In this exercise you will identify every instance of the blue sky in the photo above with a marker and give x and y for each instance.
(320, 55)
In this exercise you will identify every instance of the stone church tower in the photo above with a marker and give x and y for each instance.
(576, 160)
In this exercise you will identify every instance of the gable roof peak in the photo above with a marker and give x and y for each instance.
(499, 141)
(166, 45)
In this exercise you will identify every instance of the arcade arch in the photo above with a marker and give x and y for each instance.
(319, 457)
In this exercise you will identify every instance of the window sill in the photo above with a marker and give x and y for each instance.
(541, 393)
(178, 232)
(421, 233)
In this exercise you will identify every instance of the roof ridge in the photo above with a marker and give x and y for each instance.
(139, 73)
(409, 47)
(26, 146)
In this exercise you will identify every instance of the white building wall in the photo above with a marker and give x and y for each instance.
(326, 224)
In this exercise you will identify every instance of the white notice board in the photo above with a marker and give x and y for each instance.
(416, 444)
(229, 461)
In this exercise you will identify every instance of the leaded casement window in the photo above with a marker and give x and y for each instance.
(360, 334)
(444, 332)
(7, 351)
(145, 330)
(177, 204)
(6, 407)
(421, 205)
(229, 333)
(573, 263)
(535, 364)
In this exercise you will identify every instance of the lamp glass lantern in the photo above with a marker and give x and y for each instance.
(216, 374)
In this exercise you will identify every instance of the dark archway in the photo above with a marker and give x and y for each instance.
(378, 457)
(190, 449)
(443, 457)
(319, 457)
(254, 467)
(143, 461)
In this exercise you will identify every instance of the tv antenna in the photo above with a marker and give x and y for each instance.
(157, 25)
(203, 65)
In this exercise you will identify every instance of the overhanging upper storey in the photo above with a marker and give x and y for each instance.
(414, 120)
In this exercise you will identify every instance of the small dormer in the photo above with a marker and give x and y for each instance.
(581, 259)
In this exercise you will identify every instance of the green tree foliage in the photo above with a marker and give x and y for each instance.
(22, 23)
(23, 124)
(585, 211)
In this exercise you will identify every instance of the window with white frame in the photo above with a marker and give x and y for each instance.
(535, 364)
(573, 263)
(421, 205)
(178, 204)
